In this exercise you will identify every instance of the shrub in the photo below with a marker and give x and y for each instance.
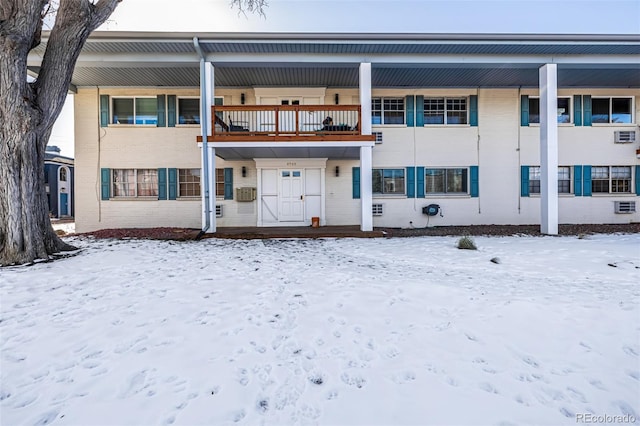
(467, 243)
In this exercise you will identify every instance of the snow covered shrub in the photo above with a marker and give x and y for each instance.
(467, 243)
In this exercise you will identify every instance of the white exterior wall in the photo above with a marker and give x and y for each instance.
(498, 145)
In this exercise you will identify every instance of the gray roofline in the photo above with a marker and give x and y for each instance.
(354, 37)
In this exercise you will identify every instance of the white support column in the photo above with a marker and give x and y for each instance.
(366, 189)
(549, 149)
(365, 97)
(208, 153)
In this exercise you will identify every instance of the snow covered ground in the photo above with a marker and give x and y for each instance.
(331, 332)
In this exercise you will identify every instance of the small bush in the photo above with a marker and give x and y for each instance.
(467, 243)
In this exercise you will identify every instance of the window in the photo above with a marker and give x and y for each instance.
(564, 111)
(564, 180)
(387, 110)
(188, 111)
(611, 110)
(135, 111)
(446, 181)
(219, 182)
(63, 174)
(388, 181)
(445, 111)
(135, 182)
(614, 179)
(189, 182)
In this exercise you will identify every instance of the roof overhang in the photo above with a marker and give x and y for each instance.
(111, 58)
(338, 150)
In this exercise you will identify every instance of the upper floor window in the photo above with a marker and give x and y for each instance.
(388, 181)
(135, 182)
(387, 110)
(611, 110)
(611, 179)
(135, 110)
(564, 112)
(445, 111)
(564, 180)
(63, 174)
(446, 181)
(188, 111)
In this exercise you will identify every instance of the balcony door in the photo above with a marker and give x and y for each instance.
(291, 196)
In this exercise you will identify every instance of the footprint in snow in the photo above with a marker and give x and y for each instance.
(630, 351)
(46, 418)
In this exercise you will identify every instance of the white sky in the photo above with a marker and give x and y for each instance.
(430, 16)
(439, 16)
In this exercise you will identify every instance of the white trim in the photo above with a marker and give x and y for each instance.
(366, 189)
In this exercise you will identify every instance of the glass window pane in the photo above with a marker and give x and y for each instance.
(600, 110)
(189, 182)
(393, 181)
(376, 181)
(219, 182)
(457, 111)
(434, 181)
(393, 110)
(122, 111)
(434, 111)
(148, 183)
(188, 111)
(456, 180)
(534, 110)
(563, 110)
(124, 183)
(621, 172)
(621, 110)
(146, 111)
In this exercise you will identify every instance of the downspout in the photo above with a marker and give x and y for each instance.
(205, 132)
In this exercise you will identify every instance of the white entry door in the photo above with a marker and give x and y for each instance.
(291, 196)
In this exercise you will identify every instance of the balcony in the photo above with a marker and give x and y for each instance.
(286, 123)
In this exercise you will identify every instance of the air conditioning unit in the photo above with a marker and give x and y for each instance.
(378, 136)
(624, 136)
(218, 210)
(625, 207)
(377, 209)
(245, 194)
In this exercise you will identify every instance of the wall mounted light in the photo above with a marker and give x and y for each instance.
(242, 99)
(337, 171)
(244, 171)
(337, 99)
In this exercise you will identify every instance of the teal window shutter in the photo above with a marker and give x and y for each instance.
(419, 111)
(104, 110)
(473, 110)
(171, 110)
(577, 181)
(475, 182)
(162, 184)
(409, 107)
(105, 183)
(586, 181)
(586, 110)
(355, 180)
(524, 110)
(577, 110)
(162, 115)
(411, 182)
(637, 180)
(524, 181)
(173, 184)
(420, 182)
(228, 183)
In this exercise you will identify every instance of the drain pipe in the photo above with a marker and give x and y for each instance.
(205, 132)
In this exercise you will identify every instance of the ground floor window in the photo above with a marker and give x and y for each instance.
(219, 182)
(446, 181)
(135, 182)
(611, 179)
(388, 181)
(189, 182)
(564, 180)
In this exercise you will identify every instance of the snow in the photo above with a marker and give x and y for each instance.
(392, 331)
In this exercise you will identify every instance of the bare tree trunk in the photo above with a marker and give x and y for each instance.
(28, 112)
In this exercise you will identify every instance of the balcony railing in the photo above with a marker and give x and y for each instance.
(287, 123)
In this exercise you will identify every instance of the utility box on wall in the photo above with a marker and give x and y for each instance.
(245, 194)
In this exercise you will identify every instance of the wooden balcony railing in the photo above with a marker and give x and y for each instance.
(287, 123)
